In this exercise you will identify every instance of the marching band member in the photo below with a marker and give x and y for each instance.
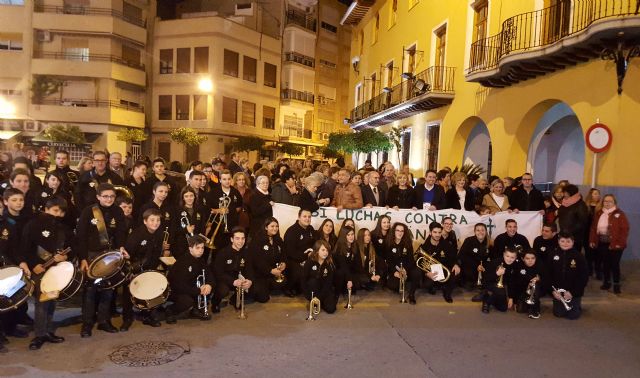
(139, 186)
(366, 256)
(159, 169)
(318, 277)
(568, 275)
(348, 222)
(126, 204)
(267, 258)
(225, 190)
(510, 239)
(473, 256)
(297, 240)
(498, 277)
(546, 242)
(448, 234)
(326, 232)
(160, 203)
(441, 250)
(379, 235)
(94, 236)
(196, 181)
(42, 237)
(20, 179)
(188, 220)
(89, 181)
(54, 187)
(65, 172)
(398, 255)
(345, 260)
(230, 264)
(144, 246)
(527, 277)
(183, 280)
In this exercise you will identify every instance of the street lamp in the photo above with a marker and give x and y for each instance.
(205, 85)
(7, 109)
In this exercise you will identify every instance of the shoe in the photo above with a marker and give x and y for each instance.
(447, 298)
(431, 290)
(215, 309)
(205, 317)
(18, 333)
(107, 327)
(37, 343)
(485, 307)
(605, 286)
(412, 299)
(534, 315)
(53, 338)
(477, 297)
(616, 289)
(126, 324)
(86, 330)
(153, 322)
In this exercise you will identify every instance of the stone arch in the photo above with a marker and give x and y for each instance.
(472, 142)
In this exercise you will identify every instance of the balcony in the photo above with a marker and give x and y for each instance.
(302, 19)
(91, 11)
(90, 111)
(356, 12)
(300, 59)
(300, 136)
(535, 43)
(429, 89)
(89, 65)
(292, 94)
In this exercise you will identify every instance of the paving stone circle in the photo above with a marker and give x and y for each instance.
(147, 353)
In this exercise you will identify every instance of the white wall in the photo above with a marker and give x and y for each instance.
(477, 149)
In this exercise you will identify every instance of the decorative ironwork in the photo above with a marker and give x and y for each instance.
(147, 353)
(620, 58)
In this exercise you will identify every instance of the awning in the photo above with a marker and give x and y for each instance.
(8, 134)
(41, 140)
(356, 12)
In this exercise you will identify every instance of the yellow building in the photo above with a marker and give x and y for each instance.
(511, 85)
(93, 49)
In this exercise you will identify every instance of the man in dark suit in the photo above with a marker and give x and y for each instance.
(234, 165)
(373, 194)
(429, 196)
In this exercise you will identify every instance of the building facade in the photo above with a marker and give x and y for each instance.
(511, 85)
(73, 62)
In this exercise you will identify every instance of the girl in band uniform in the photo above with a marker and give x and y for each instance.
(473, 255)
(366, 255)
(267, 257)
(318, 277)
(398, 252)
(188, 220)
(345, 260)
(327, 233)
(379, 235)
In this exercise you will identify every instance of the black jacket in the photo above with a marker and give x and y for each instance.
(439, 200)
(574, 219)
(265, 255)
(260, 209)
(307, 201)
(88, 238)
(178, 234)
(403, 198)
(504, 241)
(443, 252)
(523, 201)
(568, 270)
(296, 241)
(524, 274)
(369, 198)
(317, 279)
(142, 193)
(48, 233)
(453, 199)
(490, 278)
(235, 204)
(144, 248)
(229, 263)
(183, 274)
(88, 183)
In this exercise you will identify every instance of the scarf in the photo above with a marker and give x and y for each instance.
(603, 221)
(566, 202)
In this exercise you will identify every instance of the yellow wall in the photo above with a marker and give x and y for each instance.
(510, 113)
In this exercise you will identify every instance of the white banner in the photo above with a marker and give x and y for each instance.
(529, 222)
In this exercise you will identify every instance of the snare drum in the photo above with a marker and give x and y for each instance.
(149, 290)
(15, 288)
(109, 270)
(61, 281)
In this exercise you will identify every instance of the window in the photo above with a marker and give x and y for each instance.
(249, 69)
(75, 49)
(166, 61)
(229, 110)
(165, 107)
(200, 107)
(11, 2)
(411, 61)
(11, 41)
(248, 113)
(480, 21)
(269, 117)
(393, 12)
(201, 60)
(164, 150)
(293, 126)
(376, 28)
(270, 72)
(389, 82)
(131, 12)
(441, 48)
(183, 60)
(406, 146)
(231, 59)
(182, 107)
(373, 85)
(327, 63)
(130, 54)
(433, 136)
(327, 26)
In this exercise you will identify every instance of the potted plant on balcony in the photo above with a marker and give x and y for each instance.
(43, 86)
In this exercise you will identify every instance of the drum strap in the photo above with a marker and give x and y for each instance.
(101, 226)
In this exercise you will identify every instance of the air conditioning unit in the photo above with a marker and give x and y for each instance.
(44, 36)
(31, 126)
(325, 136)
(322, 100)
(245, 9)
(312, 150)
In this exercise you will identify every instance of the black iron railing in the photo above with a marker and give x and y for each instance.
(436, 79)
(544, 27)
(300, 18)
(292, 94)
(300, 59)
(87, 58)
(89, 11)
(86, 103)
(296, 132)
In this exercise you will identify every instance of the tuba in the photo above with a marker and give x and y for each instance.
(123, 191)
(314, 307)
(425, 261)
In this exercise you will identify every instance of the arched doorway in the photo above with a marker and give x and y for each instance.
(477, 149)
(557, 147)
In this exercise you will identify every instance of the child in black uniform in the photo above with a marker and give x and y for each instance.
(318, 277)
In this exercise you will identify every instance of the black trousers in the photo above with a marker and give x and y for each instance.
(414, 276)
(522, 305)
(328, 299)
(610, 262)
(497, 298)
(447, 287)
(181, 302)
(294, 276)
(262, 287)
(127, 306)
(11, 318)
(561, 312)
(594, 259)
(91, 295)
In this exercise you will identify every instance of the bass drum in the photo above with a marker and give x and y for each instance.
(109, 270)
(61, 282)
(149, 290)
(15, 288)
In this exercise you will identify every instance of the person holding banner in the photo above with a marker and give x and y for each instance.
(496, 201)
(447, 255)
(401, 196)
(459, 196)
(398, 252)
(429, 196)
(347, 195)
(298, 239)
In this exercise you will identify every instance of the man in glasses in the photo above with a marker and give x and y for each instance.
(89, 181)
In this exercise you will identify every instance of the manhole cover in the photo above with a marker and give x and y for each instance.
(147, 353)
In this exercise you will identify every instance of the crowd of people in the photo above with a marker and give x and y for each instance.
(217, 221)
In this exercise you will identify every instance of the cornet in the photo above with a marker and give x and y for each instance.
(314, 307)
(240, 298)
(479, 282)
(348, 305)
(281, 277)
(184, 221)
(372, 265)
(203, 301)
(531, 291)
(425, 261)
(565, 302)
(403, 279)
(500, 283)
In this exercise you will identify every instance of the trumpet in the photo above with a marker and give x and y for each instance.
(240, 298)
(165, 236)
(348, 305)
(220, 217)
(531, 291)
(203, 301)
(372, 265)
(403, 279)
(425, 261)
(281, 277)
(314, 307)
(565, 302)
(500, 283)
(479, 282)
(184, 221)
